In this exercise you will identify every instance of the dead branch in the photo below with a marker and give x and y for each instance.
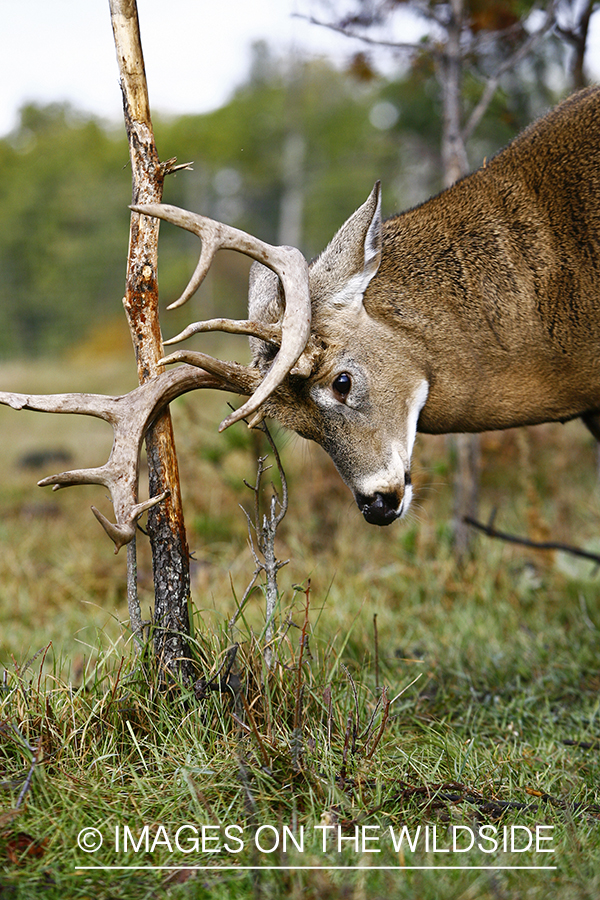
(356, 721)
(491, 84)
(427, 45)
(265, 531)
(376, 643)
(492, 532)
(229, 682)
(384, 718)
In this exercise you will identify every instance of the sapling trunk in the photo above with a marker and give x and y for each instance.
(170, 555)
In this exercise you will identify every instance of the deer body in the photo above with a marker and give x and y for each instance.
(478, 310)
(499, 280)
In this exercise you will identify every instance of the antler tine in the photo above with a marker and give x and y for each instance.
(131, 413)
(207, 230)
(264, 331)
(287, 262)
(129, 416)
(241, 379)
(214, 236)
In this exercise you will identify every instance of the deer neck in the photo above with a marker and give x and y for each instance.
(473, 281)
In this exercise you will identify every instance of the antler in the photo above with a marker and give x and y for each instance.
(130, 415)
(291, 267)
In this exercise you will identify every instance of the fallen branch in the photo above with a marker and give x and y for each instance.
(527, 542)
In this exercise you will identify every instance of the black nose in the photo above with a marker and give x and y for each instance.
(380, 509)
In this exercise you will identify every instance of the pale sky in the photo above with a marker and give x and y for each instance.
(196, 51)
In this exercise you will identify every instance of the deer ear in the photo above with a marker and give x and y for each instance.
(339, 277)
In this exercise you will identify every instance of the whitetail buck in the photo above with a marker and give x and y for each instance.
(478, 310)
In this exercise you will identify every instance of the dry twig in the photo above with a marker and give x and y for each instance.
(265, 531)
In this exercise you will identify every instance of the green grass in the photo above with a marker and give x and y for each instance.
(492, 668)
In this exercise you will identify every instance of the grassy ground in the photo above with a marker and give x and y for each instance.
(475, 705)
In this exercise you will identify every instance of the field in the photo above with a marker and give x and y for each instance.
(459, 702)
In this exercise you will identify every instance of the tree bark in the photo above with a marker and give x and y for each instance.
(578, 38)
(454, 154)
(456, 165)
(170, 554)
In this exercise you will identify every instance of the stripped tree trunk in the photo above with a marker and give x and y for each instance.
(170, 555)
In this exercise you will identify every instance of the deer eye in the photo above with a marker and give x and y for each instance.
(341, 386)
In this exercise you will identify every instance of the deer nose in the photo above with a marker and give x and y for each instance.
(380, 509)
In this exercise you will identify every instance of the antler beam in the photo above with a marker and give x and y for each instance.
(130, 415)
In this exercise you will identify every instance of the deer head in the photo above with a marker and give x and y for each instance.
(303, 326)
(339, 401)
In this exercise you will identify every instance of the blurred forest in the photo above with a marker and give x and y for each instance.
(293, 153)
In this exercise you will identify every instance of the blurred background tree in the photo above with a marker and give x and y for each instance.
(63, 228)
